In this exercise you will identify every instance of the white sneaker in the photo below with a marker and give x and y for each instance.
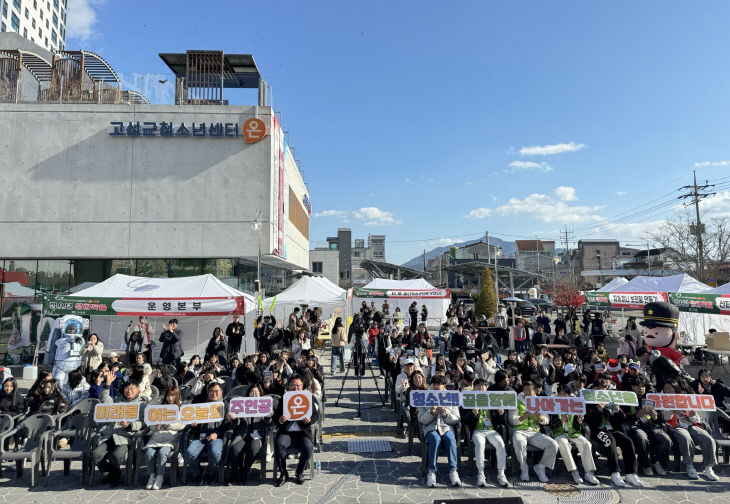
(540, 471)
(591, 478)
(617, 480)
(576, 477)
(150, 482)
(710, 474)
(647, 471)
(659, 469)
(692, 472)
(481, 480)
(634, 480)
(158, 482)
(524, 473)
(431, 479)
(180, 460)
(455, 481)
(501, 478)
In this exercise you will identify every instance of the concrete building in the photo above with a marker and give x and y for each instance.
(325, 262)
(152, 190)
(594, 255)
(352, 254)
(43, 22)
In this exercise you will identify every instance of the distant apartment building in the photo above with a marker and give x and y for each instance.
(595, 256)
(43, 22)
(535, 256)
(325, 262)
(350, 256)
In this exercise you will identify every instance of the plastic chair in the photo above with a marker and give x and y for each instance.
(424, 447)
(77, 429)
(723, 443)
(172, 458)
(293, 451)
(83, 407)
(129, 464)
(239, 391)
(318, 427)
(6, 423)
(183, 448)
(34, 429)
(155, 392)
(489, 450)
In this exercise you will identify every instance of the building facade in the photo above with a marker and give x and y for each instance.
(151, 190)
(43, 22)
(351, 255)
(325, 262)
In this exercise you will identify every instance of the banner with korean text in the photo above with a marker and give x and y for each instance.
(485, 399)
(149, 307)
(617, 397)
(695, 402)
(251, 407)
(555, 405)
(116, 412)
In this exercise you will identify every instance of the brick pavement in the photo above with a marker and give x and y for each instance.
(384, 477)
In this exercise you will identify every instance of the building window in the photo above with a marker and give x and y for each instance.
(41, 15)
(5, 9)
(48, 24)
(17, 4)
(316, 266)
(27, 13)
(377, 254)
(356, 254)
(15, 22)
(53, 36)
(25, 32)
(55, 3)
(2, 27)
(33, 22)
(35, 4)
(55, 20)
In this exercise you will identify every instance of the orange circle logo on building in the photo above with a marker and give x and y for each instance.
(254, 130)
(298, 406)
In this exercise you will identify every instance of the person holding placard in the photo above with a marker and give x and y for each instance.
(646, 430)
(568, 430)
(479, 422)
(605, 422)
(248, 435)
(687, 429)
(526, 430)
(114, 437)
(209, 437)
(437, 423)
(160, 444)
(295, 434)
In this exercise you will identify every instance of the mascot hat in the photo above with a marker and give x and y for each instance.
(660, 315)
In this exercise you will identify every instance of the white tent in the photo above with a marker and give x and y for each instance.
(723, 289)
(310, 291)
(673, 283)
(15, 289)
(401, 293)
(615, 284)
(135, 296)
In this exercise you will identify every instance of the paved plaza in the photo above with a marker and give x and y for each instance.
(374, 477)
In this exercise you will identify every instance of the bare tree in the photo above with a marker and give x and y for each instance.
(679, 241)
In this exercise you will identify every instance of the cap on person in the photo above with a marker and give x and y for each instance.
(410, 361)
(569, 368)
(660, 314)
(114, 354)
(613, 366)
(634, 365)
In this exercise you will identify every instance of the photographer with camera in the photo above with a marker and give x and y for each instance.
(359, 345)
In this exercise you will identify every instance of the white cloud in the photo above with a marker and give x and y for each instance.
(81, 19)
(468, 183)
(340, 214)
(546, 209)
(374, 216)
(620, 193)
(717, 205)
(441, 242)
(705, 164)
(566, 193)
(529, 165)
(549, 150)
(635, 232)
(479, 213)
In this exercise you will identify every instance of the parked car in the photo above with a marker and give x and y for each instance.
(526, 308)
(543, 304)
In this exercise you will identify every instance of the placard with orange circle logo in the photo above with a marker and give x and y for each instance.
(297, 405)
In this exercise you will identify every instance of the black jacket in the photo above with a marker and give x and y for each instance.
(306, 427)
(11, 404)
(216, 348)
(235, 338)
(171, 346)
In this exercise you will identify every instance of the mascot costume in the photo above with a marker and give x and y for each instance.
(660, 336)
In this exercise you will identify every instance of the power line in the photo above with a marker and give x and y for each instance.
(696, 194)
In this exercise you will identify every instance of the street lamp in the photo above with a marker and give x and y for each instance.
(258, 226)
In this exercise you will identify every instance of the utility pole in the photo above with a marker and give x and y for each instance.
(567, 238)
(696, 194)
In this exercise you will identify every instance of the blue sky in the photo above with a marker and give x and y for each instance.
(430, 120)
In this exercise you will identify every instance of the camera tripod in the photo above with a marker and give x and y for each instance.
(357, 355)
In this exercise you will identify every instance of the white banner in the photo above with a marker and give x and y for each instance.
(176, 307)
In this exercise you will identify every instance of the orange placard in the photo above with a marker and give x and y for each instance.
(297, 405)
(254, 130)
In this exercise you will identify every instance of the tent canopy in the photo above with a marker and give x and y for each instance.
(413, 284)
(14, 289)
(311, 291)
(674, 283)
(125, 286)
(723, 289)
(615, 284)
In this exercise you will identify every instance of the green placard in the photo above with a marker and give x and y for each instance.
(67, 305)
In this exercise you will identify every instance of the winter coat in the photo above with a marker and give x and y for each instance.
(91, 356)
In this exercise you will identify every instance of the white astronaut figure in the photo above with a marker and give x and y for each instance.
(68, 350)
